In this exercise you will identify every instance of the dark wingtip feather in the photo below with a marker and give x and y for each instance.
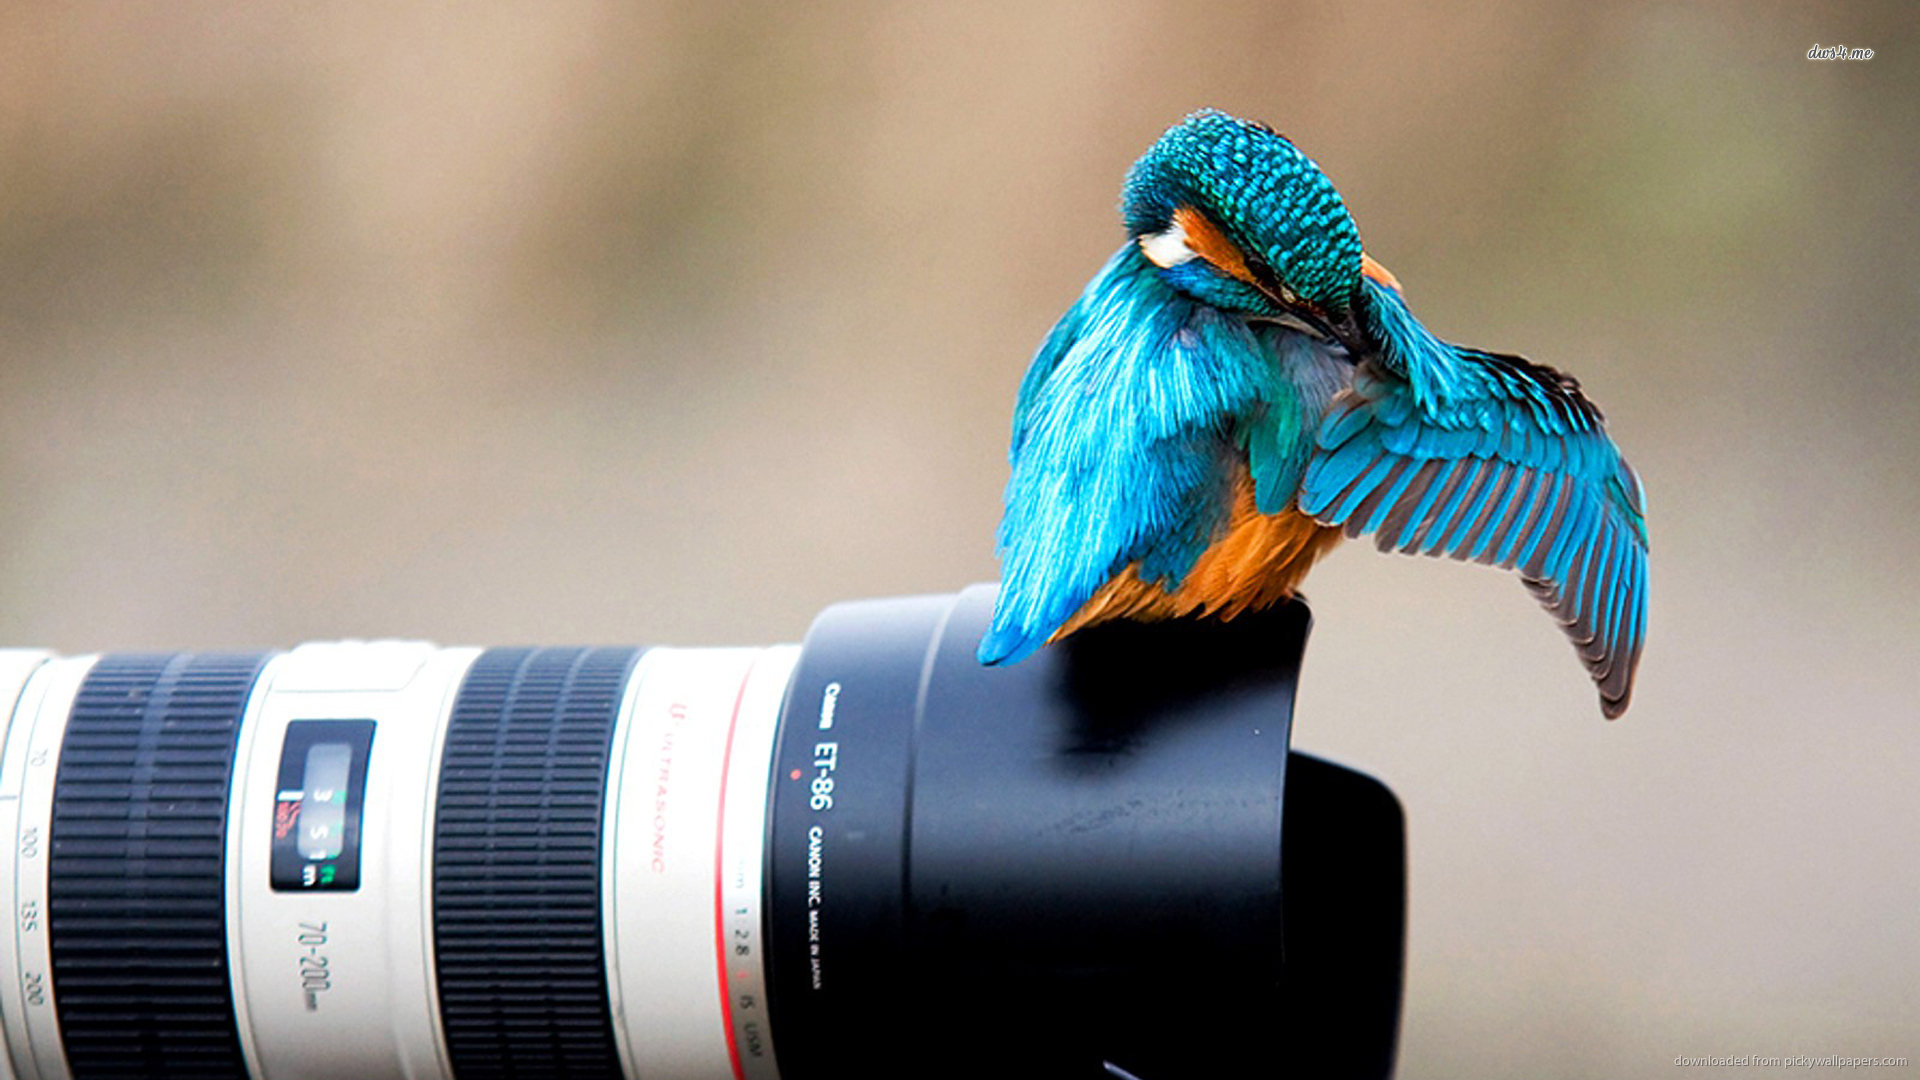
(1611, 662)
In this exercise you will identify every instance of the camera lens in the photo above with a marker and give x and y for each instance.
(866, 855)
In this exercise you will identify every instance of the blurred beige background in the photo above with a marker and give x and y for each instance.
(675, 322)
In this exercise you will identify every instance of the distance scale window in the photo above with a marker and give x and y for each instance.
(317, 807)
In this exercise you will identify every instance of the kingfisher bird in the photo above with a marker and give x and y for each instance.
(1242, 385)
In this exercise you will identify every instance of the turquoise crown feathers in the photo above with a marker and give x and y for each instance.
(1272, 200)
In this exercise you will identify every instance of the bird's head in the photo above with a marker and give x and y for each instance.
(1236, 217)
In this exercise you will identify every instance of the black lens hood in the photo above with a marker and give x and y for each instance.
(1072, 866)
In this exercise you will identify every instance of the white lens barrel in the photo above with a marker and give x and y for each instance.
(340, 983)
(742, 945)
(400, 851)
(32, 1033)
(686, 820)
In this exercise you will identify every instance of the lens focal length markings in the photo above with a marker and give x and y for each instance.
(662, 897)
(741, 866)
(333, 982)
(26, 786)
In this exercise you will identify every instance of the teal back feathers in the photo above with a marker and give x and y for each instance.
(1125, 433)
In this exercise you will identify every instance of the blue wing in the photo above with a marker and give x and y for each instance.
(1126, 434)
(1441, 450)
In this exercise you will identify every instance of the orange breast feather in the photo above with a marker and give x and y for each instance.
(1257, 562)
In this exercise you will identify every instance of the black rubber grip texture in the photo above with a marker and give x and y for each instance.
(516, 864)
(136, 877)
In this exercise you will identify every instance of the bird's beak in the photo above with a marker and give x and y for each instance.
(1345, 329)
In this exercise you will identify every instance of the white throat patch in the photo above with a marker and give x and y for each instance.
(1168, 248)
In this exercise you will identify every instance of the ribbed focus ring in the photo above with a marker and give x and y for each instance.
(517, 925)
(137, 922)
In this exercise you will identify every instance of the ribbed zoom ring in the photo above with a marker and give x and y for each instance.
(135, 882)
(517, 927)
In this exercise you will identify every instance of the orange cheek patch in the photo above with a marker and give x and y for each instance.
(1377, 273)
(1208, 242)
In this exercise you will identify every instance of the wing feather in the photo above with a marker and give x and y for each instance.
(1496, 460)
